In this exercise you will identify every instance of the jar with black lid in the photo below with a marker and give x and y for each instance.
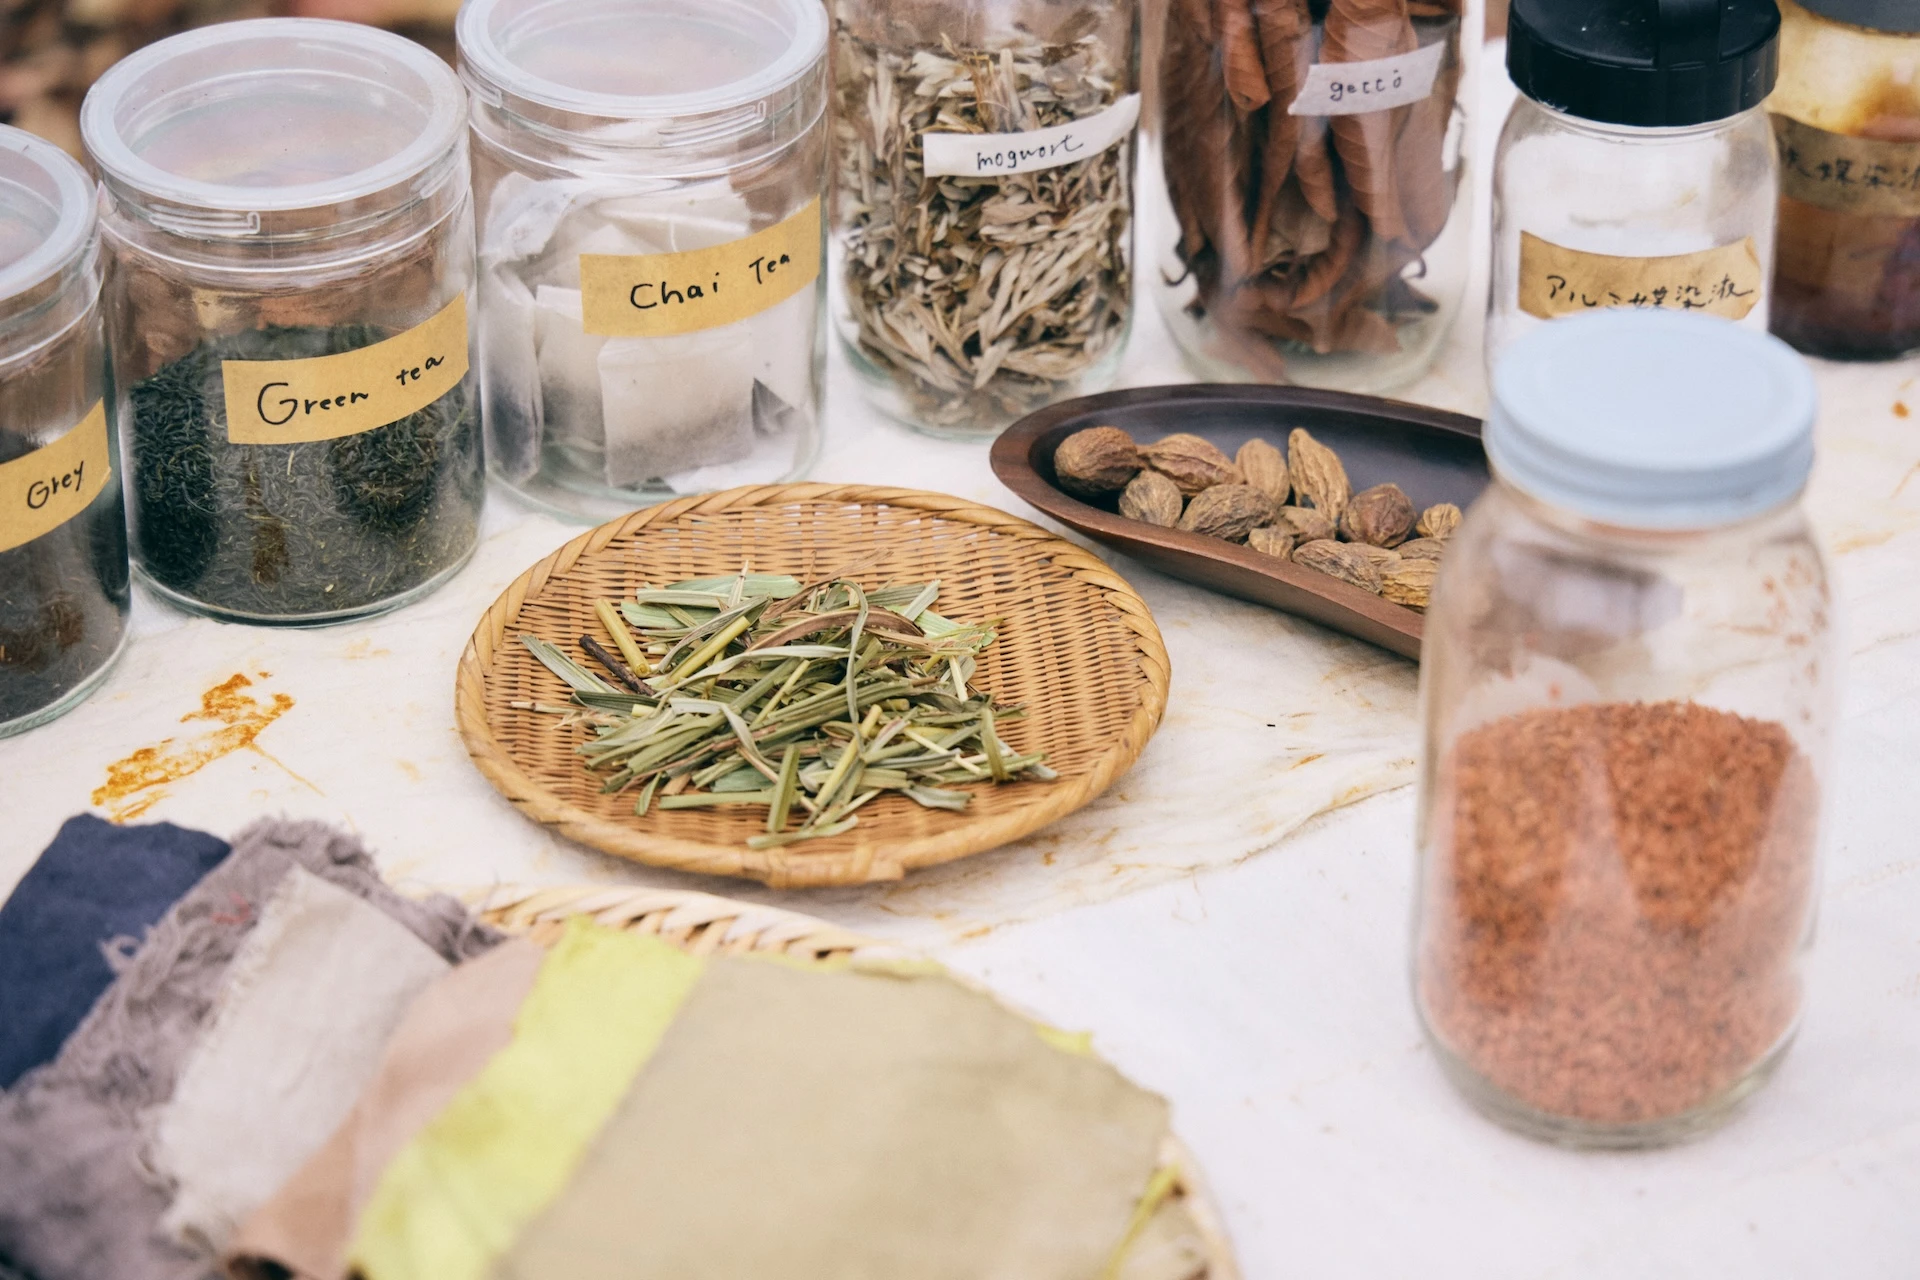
(1847, 112)
(63, 534)
(1637, 169)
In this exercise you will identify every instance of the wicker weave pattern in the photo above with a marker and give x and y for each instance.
(1078, 649)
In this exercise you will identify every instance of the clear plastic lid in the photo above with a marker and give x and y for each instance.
(1653, 419)
(275, 114)
(641, 60)
(46, 212)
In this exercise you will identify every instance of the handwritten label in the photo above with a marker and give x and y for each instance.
(1558, 281)
(1354, 88)
(654, 295)
(1862, 176)
(326, 397)
(992, 155)
(56, 482)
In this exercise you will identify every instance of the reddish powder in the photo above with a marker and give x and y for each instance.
(1615, 896)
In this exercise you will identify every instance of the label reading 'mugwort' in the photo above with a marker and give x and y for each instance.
(326, 397)
(56, 482)
(993, 155)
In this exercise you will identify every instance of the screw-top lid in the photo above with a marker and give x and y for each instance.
(1646, 63)
(1877, 15)
(1653, 420)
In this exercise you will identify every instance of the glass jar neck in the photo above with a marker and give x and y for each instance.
(1585, 529)
(1603, 131)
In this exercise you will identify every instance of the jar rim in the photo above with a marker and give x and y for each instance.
(74, 213)
(438, 90)
(489, 71)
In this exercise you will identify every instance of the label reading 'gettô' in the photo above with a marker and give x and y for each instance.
(56, 482)
(656, 295)
(1355, 88)
(1556, 281)
(327, 397)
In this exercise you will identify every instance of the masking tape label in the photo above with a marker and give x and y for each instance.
(56, 482)
(1557, 281)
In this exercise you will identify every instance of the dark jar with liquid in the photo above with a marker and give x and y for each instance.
(63, 538)
(1847, 113)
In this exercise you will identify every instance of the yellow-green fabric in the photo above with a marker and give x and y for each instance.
(812, 1124)
(461, 1193)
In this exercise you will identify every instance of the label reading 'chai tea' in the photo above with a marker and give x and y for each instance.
(1557, 281)
(656, 295)
(56, 482)
(327, 397)
(1861, 176)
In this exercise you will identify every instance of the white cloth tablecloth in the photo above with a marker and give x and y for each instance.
(1231, 921)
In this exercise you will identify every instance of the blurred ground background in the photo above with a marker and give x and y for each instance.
(52, 50)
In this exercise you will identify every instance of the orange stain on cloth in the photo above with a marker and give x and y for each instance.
(134, 785)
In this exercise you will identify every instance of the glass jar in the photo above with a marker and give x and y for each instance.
(1637, 168)
(983, 222)
(289, 230)
(63, 535)
(650, 178)
(1627, 700)
(1847, 111)
(1307, 208)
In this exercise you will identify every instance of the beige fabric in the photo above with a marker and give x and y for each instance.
(296, 1031)
(449, 1033)
(832, 1125)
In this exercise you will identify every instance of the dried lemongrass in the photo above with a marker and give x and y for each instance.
(980, 299)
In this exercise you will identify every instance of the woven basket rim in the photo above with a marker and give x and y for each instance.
(794, 867)
(706, 924)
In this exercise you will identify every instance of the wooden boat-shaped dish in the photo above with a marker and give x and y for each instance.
(1434, 455)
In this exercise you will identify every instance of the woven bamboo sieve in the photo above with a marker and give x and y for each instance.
(705, 924)
(1077, 648)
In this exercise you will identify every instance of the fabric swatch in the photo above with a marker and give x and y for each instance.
(450, 1031)
(821, 1124)
(295, 1035)
(75, 1203)
(95, 884)
(459, 1194)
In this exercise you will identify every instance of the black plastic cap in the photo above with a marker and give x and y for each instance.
(1901, 16)
(1646, 63)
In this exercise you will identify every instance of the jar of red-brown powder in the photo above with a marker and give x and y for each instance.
(1627, 695)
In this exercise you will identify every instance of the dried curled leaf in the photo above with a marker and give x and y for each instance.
(1229, 511)
(1192, 463)
(1422, 549)
(1097, 461)
(1265, 468)
(1382, 516)
(1438, 521)
(1306, 524)
(1153, 498)
(1240, 55)
(1339, 560)
(1319, 477)
(1271, 540)
(1410, 582)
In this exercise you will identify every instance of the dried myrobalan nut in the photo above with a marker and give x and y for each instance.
(1192, 463)
(1422, 549)
(1319, 477)
(1271, 540)
(1339, 560)
(1305, 524)
(1379, 557)
(1096, 462)
(1265, 468)
(1382, 516)
(1410, 582)
(1153, 498)
(1230, 511)
(1438, 521)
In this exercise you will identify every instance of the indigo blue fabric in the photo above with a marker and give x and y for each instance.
(95, 882)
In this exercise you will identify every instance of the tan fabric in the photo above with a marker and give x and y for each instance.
(832, 1125)
(448, 1034)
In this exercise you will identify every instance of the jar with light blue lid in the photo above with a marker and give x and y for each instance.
(1628, 699)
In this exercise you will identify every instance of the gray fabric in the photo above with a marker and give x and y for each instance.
(76, 1202)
